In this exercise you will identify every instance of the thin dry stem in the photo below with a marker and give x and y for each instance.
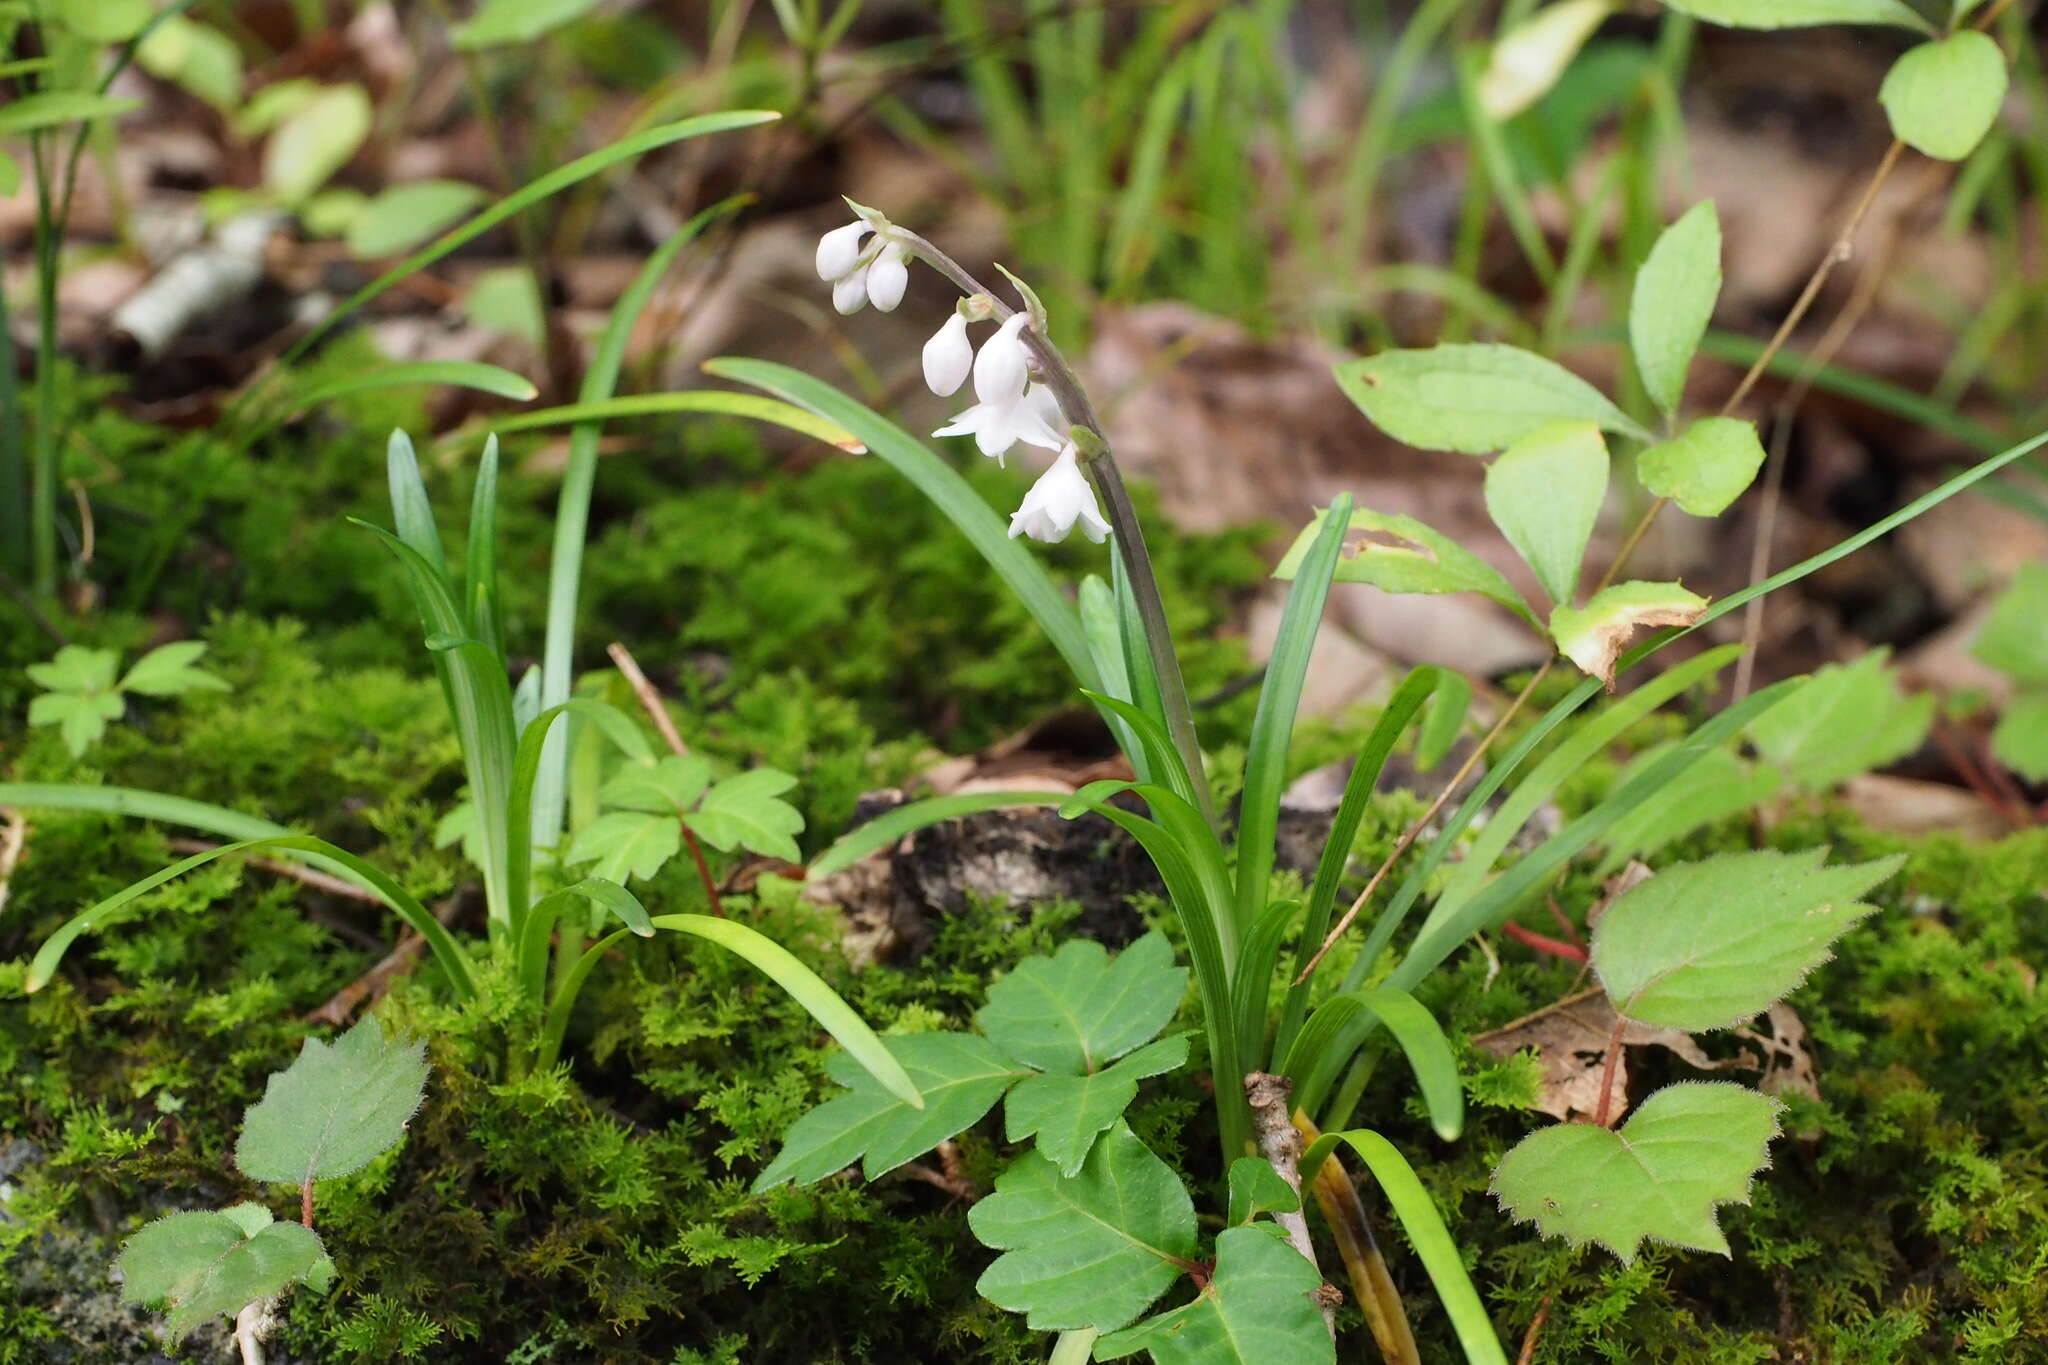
(13, 839)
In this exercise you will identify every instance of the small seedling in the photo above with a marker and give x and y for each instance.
(81, 693)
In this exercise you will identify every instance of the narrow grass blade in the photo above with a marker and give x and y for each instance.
(1154, 744)
(1251, 982)
(539, 928)
(1265, 771)
(1342, 1022)
(446, 951)
(805, 987)
(1358, 788)
(1106, 647)
(555, 1023)
(747, 405)
(613, 723)
(455, 374)
(884, 830)
(480, 563)
(1426, 1233)
(950, 493)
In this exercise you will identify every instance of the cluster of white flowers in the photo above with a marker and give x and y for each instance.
(1009, 405)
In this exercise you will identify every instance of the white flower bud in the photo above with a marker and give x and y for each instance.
(1060, 498)
(1002, 368)
(850, 291)
(887, 278)
(839, 251)
(948, 356)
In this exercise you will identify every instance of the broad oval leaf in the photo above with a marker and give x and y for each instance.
(2012, 640)
(1673, 301)
(1705, 468)
(1530, 57)
(1844, 720)
(314, 141)
(1799, 13)
(1707, 945)
(1079, 1010)
(1474, 398)
(1686, 1151)
(403, 216)
(1093, 1251)
(1258, 1309)
(335, 1109)
(2020, 740)
(1943, 97)
(1400, 554)
(1594, 635)
(202, 1265)
(1544, 493)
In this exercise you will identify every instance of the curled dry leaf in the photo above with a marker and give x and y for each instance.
(1593, 636)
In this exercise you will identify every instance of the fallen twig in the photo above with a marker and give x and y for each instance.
(1280, 1144)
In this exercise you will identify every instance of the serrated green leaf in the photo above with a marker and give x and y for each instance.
(960, 1076)
(169, 669)
(1706, 467)
(1707, 945)
(1594, 635)
(1544, 493)
(626, 844)
(1077, 1011)
(202, 1265)
(1673, 302)
(746, 811)
(1092, 1251)
(1258, 1309)
(1066, 1113)
(2013, 640)
(403, 216)
(1256, 1188)
(1942, 97)
(80, 719)
(2020, 740)
(1844, 720)
(1689, 1149)
(336, 1109)
(1716, 786)
(668, 786)
(75, 668)
(1473, 398)
(1799, 13)
(502, 22)
(1400, 554)
(315, 140)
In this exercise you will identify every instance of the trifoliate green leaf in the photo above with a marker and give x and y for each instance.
(201, 1265)
(1399, 554)
(1258, 1309)
(81, 719)
(1799, 13)
(669, 786)
(1066, 1113)
(76, 668)
(335, 1109)
(1544, 493)
(1706, 467)
(2013, 640)
(2021, 740)
(745, 812)
(1256, 1188)
(960, 1076)
(169, 669)
(1473, 398)
(626, 844)
(1077, 1011)
(1942, 97)
(1593, 636)
(1092, 1251)
(1707, 945)
(1673, 301)
(1844, 720)
(1689, 1149)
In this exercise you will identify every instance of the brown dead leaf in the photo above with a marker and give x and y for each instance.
(1904, 805)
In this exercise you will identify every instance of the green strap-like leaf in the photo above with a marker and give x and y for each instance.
(460, 374)
(1342, 1022)
(750, 406)
(884, 830)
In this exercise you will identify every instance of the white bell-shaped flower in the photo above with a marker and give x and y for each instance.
(839, 250)
(1059, 501)
(1003, 366)
(948, 356)
(1031, 417)
(850, 291)
(887, 278)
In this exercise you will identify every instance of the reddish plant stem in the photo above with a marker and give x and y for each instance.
(650, 701)
(306, 1204)
(1607, 1068)
(1528, 1352)
(1544, 943)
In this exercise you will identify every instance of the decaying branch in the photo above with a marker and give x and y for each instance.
(1280, 1144)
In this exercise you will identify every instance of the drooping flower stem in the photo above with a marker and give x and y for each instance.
(1123, 518)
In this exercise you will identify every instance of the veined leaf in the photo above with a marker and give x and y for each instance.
(171, 669)
(335, 1109)
(626, 844)
(668, 786)
(1077, 1011)
(747, 811)
(1706, 467)
(1844, 720)
(1258, 1309)
(1400, 554)
(1707, 945)
(1066, 1113)
(1673, 302)
(1256, 1188)
(1544, 493)
(1092, 1251)
(205, 1264)
(1473, 398)
(1942, 97)
(1687, 1150)
(2013, 640)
